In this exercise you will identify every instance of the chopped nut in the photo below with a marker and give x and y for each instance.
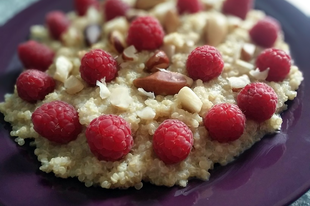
(120, 97)
(147, 94)
(146, 113)
(129, 53)
(158, 61)
(73, 85)
(147, 4)
(257, 74)
(216, 29)
(92, 34)
(238, 82)
(63, 68)
(132, 14)
(169, 49)
(117, 40)
(243, 67)
(104, 91)
(162, 82)
(172, 21)
(189, 100)
(247, 52)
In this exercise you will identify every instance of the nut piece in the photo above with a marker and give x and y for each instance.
(172, 21)
(237, 83)
(73, 85)
(189, 100)
(92, 34)
(63, 68)
(104, 92)
(117, 40)
(162, 82)
(129, 54)
(120, 97)
(158, 61)
(132, 14)
(247, 52)
(147, 4)
(169, 49)
(216, 29)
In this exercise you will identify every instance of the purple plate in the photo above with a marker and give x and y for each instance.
(275, 171)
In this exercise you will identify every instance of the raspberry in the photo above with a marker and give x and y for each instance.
(265, 32)
(109, 137)
(205, 63)
(33, 85)
(96, 65)
(57, 24)
(145, 33)
(35, 55)
(172, 141)
(225, 122)
(239, 8)
(257, 101)
(189, 6)
(278, 62)
(114, 8)
(81, 6)
(57, 121)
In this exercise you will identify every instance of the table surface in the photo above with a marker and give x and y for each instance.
(17, 5)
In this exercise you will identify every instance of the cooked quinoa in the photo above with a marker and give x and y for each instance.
(143, 110)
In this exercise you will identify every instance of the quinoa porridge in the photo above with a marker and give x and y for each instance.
(131, 94)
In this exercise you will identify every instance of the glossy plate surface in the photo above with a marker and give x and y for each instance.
(275, 171)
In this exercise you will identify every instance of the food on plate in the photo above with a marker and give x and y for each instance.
(121, 92)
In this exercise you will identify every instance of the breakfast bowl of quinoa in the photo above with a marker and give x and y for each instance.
(153, 105)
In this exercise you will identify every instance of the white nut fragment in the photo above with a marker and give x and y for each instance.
(147, 94)
(189, 100)
(257, 74)
(247, 51)
(63, 68)
(146, 113)
(129, 53)
(117, 24)
(120, 97)
(104, 91)
(73, 85)
(216, 29)
(239, 82)
(243, 67)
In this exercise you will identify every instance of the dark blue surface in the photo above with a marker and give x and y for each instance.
(276, 171)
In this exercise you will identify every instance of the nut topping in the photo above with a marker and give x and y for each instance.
(247, 52)
(189, 100)
(129, 54)
(172, 21)
(147, 4)
(162, 82)
(216, 29)
(92, 34)
(117, 40)
(158, 61)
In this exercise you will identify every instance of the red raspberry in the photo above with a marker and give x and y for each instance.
(145, 33)
(265, 32)
(109, 137)
(278, 62)
(57, 24)
(96, 65)
(57, 121)
(205, 63)
(172, 141)
(81, 6)
(189, 6)
(225, 122)
(33, 85)
(35, 55)
(114, 8)
(257, 101)
(239, 8)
